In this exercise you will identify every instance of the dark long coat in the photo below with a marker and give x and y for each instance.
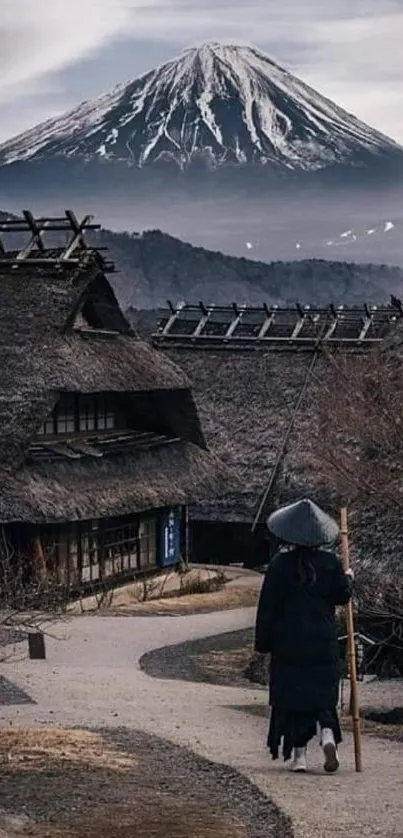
(296, 623)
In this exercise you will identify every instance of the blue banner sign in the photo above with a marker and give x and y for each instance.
(171, 529)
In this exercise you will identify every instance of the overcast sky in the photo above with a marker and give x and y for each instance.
(55, 53)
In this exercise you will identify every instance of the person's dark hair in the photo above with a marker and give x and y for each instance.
(306, 572)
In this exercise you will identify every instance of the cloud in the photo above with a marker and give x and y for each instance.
(350, 51)
(38, 38)
(358, 63)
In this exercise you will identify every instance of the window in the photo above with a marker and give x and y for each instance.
(65, 416)
(106, 417)
(48, 428)
(87, 410)
(85, 552)
(121, 548)
(96, 413)
(76, 413)
(148, 543)
(90, 552)
(61, 550)
(74, 556)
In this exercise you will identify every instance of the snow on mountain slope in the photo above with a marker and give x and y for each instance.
(226, 103)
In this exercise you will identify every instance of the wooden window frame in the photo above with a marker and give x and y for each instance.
(148, 543)
(120, 546)
(86, 414)
(84, 552)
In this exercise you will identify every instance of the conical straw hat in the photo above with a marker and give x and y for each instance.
(304, 524)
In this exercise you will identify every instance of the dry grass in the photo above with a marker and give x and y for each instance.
(195, 590)
(32, 759)
(222, 600)
(35, 748)
(225, 599)
(382, 731)
(228, 663)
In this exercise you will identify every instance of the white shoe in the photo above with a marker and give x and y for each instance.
(298, 765)
(330, 751)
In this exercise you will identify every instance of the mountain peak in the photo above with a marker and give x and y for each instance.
(223, 49)
(224, 102)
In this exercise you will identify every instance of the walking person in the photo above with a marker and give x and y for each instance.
(296, 624)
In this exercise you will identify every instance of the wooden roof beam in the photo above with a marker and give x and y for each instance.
(84, 448)
(365, 327)
(174, 316)
(205, 316)
(301, 322)
(54, 224)
(270, 317)
(47, 261)
(36, 251)
(36, 240)
(78, 239)
(332, 328)
(239, 313)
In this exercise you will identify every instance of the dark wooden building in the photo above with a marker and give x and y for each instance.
(254, 371)
(101, 447)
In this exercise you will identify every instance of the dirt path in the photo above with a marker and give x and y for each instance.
(92, 677)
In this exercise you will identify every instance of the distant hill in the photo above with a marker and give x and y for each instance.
(154, 267)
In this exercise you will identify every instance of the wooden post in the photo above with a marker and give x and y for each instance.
(187, 536)
(354, 703)
(40, 561)
(36, 645)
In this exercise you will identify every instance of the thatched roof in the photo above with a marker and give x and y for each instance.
(245, 401)
(169, 475)
(245, 396)
(44, 353)
(40, 355)
(249, 367)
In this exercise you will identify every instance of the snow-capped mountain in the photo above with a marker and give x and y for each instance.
(228, 104)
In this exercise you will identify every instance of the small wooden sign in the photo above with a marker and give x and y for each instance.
(36, 645)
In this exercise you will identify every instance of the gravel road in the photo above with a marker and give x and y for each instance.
(92, 677)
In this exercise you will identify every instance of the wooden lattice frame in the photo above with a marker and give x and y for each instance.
(36, 251)
(349, 326)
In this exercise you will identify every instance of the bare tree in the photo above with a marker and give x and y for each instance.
(28, 603)
(357, 451)
(359, 432)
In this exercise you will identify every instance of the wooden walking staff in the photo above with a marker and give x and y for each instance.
(354, 704)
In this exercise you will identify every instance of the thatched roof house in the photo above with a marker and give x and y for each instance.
(254, 372)
(100, 442)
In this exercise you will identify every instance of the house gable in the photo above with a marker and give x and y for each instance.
(97, 311)
(63, 335)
